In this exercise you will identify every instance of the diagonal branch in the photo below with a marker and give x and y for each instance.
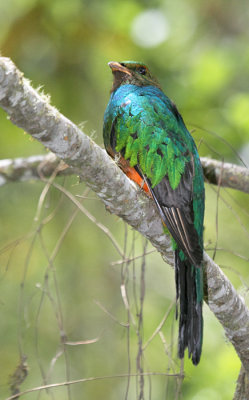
(32, 112)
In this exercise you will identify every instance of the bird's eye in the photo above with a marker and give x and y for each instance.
(141, 70)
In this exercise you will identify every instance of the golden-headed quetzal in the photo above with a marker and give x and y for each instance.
(144, 129)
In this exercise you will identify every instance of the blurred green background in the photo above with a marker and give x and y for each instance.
(199, 52)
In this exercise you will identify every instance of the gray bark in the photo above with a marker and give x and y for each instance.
(226, 174)
(242, 388)
(29, 168)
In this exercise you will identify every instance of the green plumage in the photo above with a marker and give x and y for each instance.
(151, 133)
(145, 128)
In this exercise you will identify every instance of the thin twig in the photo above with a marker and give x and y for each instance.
(132, 258)
(110, 314)
(217, 214)
(90, 379)
(140, 328)
(157, 330)
(233, 211)
(90, 216)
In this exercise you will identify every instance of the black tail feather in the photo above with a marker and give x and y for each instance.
(190, 305)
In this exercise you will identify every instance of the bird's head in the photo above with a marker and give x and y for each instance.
(131, 72)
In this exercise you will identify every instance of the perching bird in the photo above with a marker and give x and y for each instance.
(144, 131)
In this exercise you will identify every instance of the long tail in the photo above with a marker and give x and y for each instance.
(189, 291)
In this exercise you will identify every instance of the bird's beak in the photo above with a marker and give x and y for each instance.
(116, 66)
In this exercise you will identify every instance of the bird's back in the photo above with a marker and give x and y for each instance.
(145, 127)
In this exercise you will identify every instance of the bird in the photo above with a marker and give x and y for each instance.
(146, 135)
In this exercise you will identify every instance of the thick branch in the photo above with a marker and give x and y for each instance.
(242, 388)
(226, 174)
(229, 308)
(32, 112)
(24, 169)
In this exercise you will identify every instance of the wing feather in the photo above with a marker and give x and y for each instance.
(176, 210)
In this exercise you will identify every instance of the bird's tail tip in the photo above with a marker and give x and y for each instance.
(189, 291)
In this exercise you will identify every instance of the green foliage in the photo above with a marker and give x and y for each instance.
(203, 66)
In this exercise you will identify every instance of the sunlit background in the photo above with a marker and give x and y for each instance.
(199, 52)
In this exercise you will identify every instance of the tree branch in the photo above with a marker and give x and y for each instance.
(226, 174)
(242, 388)
(32, 112)
(23, 169)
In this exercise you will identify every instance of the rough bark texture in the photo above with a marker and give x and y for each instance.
(24, 169)
(32, 112)
(242, 388)
(226, 174)
(229, 308)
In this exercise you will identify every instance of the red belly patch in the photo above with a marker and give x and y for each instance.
(129, 171)
(133, 174)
